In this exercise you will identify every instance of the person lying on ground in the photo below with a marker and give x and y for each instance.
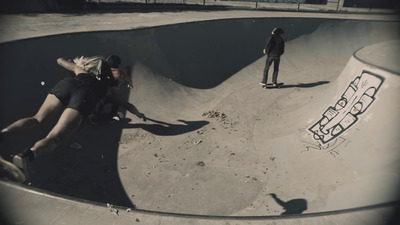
(73, 98)
(107, 109)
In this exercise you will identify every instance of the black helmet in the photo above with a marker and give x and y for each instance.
(114, 61)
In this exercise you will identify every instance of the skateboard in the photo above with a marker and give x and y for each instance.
(9, 170)
(272, 86)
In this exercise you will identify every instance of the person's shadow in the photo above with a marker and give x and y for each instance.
(169, 129)
(294, 206)
(302, 85)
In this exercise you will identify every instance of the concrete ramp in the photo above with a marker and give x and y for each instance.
(352, 167)
(218, 148)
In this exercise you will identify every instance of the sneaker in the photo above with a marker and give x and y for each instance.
(23, 163)
(14, 171)
(263, 84)
(116, 119)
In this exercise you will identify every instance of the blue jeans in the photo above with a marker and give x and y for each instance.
(272, 59)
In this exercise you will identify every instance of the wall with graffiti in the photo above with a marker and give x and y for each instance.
(355, 100)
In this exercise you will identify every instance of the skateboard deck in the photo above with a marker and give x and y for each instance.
(11, 170)
(270, 85)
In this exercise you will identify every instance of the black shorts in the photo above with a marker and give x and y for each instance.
(75, 94)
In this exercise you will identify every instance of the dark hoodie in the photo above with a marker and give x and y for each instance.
(275, 44)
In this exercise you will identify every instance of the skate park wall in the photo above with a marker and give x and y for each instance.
(372, 148)
(199, 56)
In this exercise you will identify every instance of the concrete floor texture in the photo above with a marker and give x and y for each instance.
(217, 147)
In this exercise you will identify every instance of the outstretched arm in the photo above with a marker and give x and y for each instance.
(117, 98)
(278, 200)
(70, 66)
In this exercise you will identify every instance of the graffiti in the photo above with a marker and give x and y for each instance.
(332, 147)
(356, 99)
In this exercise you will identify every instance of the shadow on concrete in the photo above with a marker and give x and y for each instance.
(302, 85)
(89, 171)
(178, 52)
(205, 54)
(169, 129)
(196, 55)
(294, 206)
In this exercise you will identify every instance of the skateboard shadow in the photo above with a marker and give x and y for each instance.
(303, 85)
(162, 128)
(294, 206)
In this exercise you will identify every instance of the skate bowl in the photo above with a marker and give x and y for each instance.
(216, 144)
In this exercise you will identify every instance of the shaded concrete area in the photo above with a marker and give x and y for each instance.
(217, 143)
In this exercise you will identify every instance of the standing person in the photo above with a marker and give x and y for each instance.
(274, 48)
(73, 97)
(122, 79)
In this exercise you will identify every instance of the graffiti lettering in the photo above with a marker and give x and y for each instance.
(356, 99)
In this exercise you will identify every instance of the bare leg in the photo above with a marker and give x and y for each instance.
(68, 123)
(49, 109)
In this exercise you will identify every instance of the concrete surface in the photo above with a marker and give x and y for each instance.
(217, 145)
(44, 208)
